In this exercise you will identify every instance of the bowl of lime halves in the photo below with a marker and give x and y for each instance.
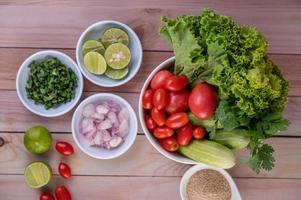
(109, 53)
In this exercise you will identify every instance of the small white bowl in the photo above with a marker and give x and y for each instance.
(95, 31)
(22, 77)
(97, 152)
(234, 190)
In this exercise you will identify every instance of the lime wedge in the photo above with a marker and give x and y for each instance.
(37, 174)
(115, 35)
(95, 63)
(118, 56)
(93, 45)
(116, 74)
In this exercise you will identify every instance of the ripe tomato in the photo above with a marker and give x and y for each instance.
(202, 101)
(169, 144)
(184, 135)
(46, 196)
(64, 148)
(62, 193)
(159, 79)
(150, 123)
(163, 132)
(178, 101)
(177, 120)
(160, 99)
(199, 133)
(64, 170)
(159, 116)
(147, 99)
(176, 83)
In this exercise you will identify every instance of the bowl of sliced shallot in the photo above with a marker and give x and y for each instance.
(104, 126)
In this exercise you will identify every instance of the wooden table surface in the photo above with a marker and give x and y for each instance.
(142, 173)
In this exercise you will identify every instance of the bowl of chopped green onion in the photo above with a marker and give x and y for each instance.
(49, 83)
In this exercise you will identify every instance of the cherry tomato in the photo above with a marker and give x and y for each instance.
(64, 148)
(184, 135)
(169, 144)
(62, 193)
(150, 123)
(160, 99)
(199, 133)
(46, 196)
(178, 101)
(176, 83)
(202, 101)
(147, 99)
(163, 132)
(159, 79)
(177, 120)
(64, 170)
(159, 116)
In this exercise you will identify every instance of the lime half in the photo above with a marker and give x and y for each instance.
(115, 35)
(37, 174)
(116, 73)
(95, 63)
(118, 56)
(37, 140)
(93, 45)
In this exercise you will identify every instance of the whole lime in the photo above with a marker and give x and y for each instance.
(37, 139)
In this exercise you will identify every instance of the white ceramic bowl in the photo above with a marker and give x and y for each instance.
(95, 31)
(22, 77)
(102, 153)
(194, 169)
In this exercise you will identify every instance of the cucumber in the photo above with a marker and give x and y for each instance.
(206, 123)
(209, 152)
(235, 139)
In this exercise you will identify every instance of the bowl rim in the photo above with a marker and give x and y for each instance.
(131, 110)
(132, 32)
(25, 63)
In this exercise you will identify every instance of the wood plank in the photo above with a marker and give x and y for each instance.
(148, 188)
(15, 117)
(141, 160)
(59, 25)
(10, 63)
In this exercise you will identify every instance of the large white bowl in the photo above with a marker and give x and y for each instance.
(101, 153)
(22, 77)
(95, 31)
(173, 156)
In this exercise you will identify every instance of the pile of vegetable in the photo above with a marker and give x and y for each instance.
(211, 49)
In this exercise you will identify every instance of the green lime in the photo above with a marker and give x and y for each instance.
(37, 174)
(37, 140)
(116, 73)
(95, 63)
(118, 56)
(115, 35)
(93, 45)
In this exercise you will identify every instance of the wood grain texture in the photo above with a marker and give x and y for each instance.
(141, 160)
(10, 63)
(58, 25)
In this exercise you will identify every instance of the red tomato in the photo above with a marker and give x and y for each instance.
(62, 193)
(176, 83)
(159, 79)
(202, 101)
(147, 99)
(150, 123)
(163, 132)
(160, 99)
(177, 120)
(46, 196)
(184, 135)
(199, 133)
(169, 144)
(64, 170)
(159, 116)
(178, 101)
(64, 148)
